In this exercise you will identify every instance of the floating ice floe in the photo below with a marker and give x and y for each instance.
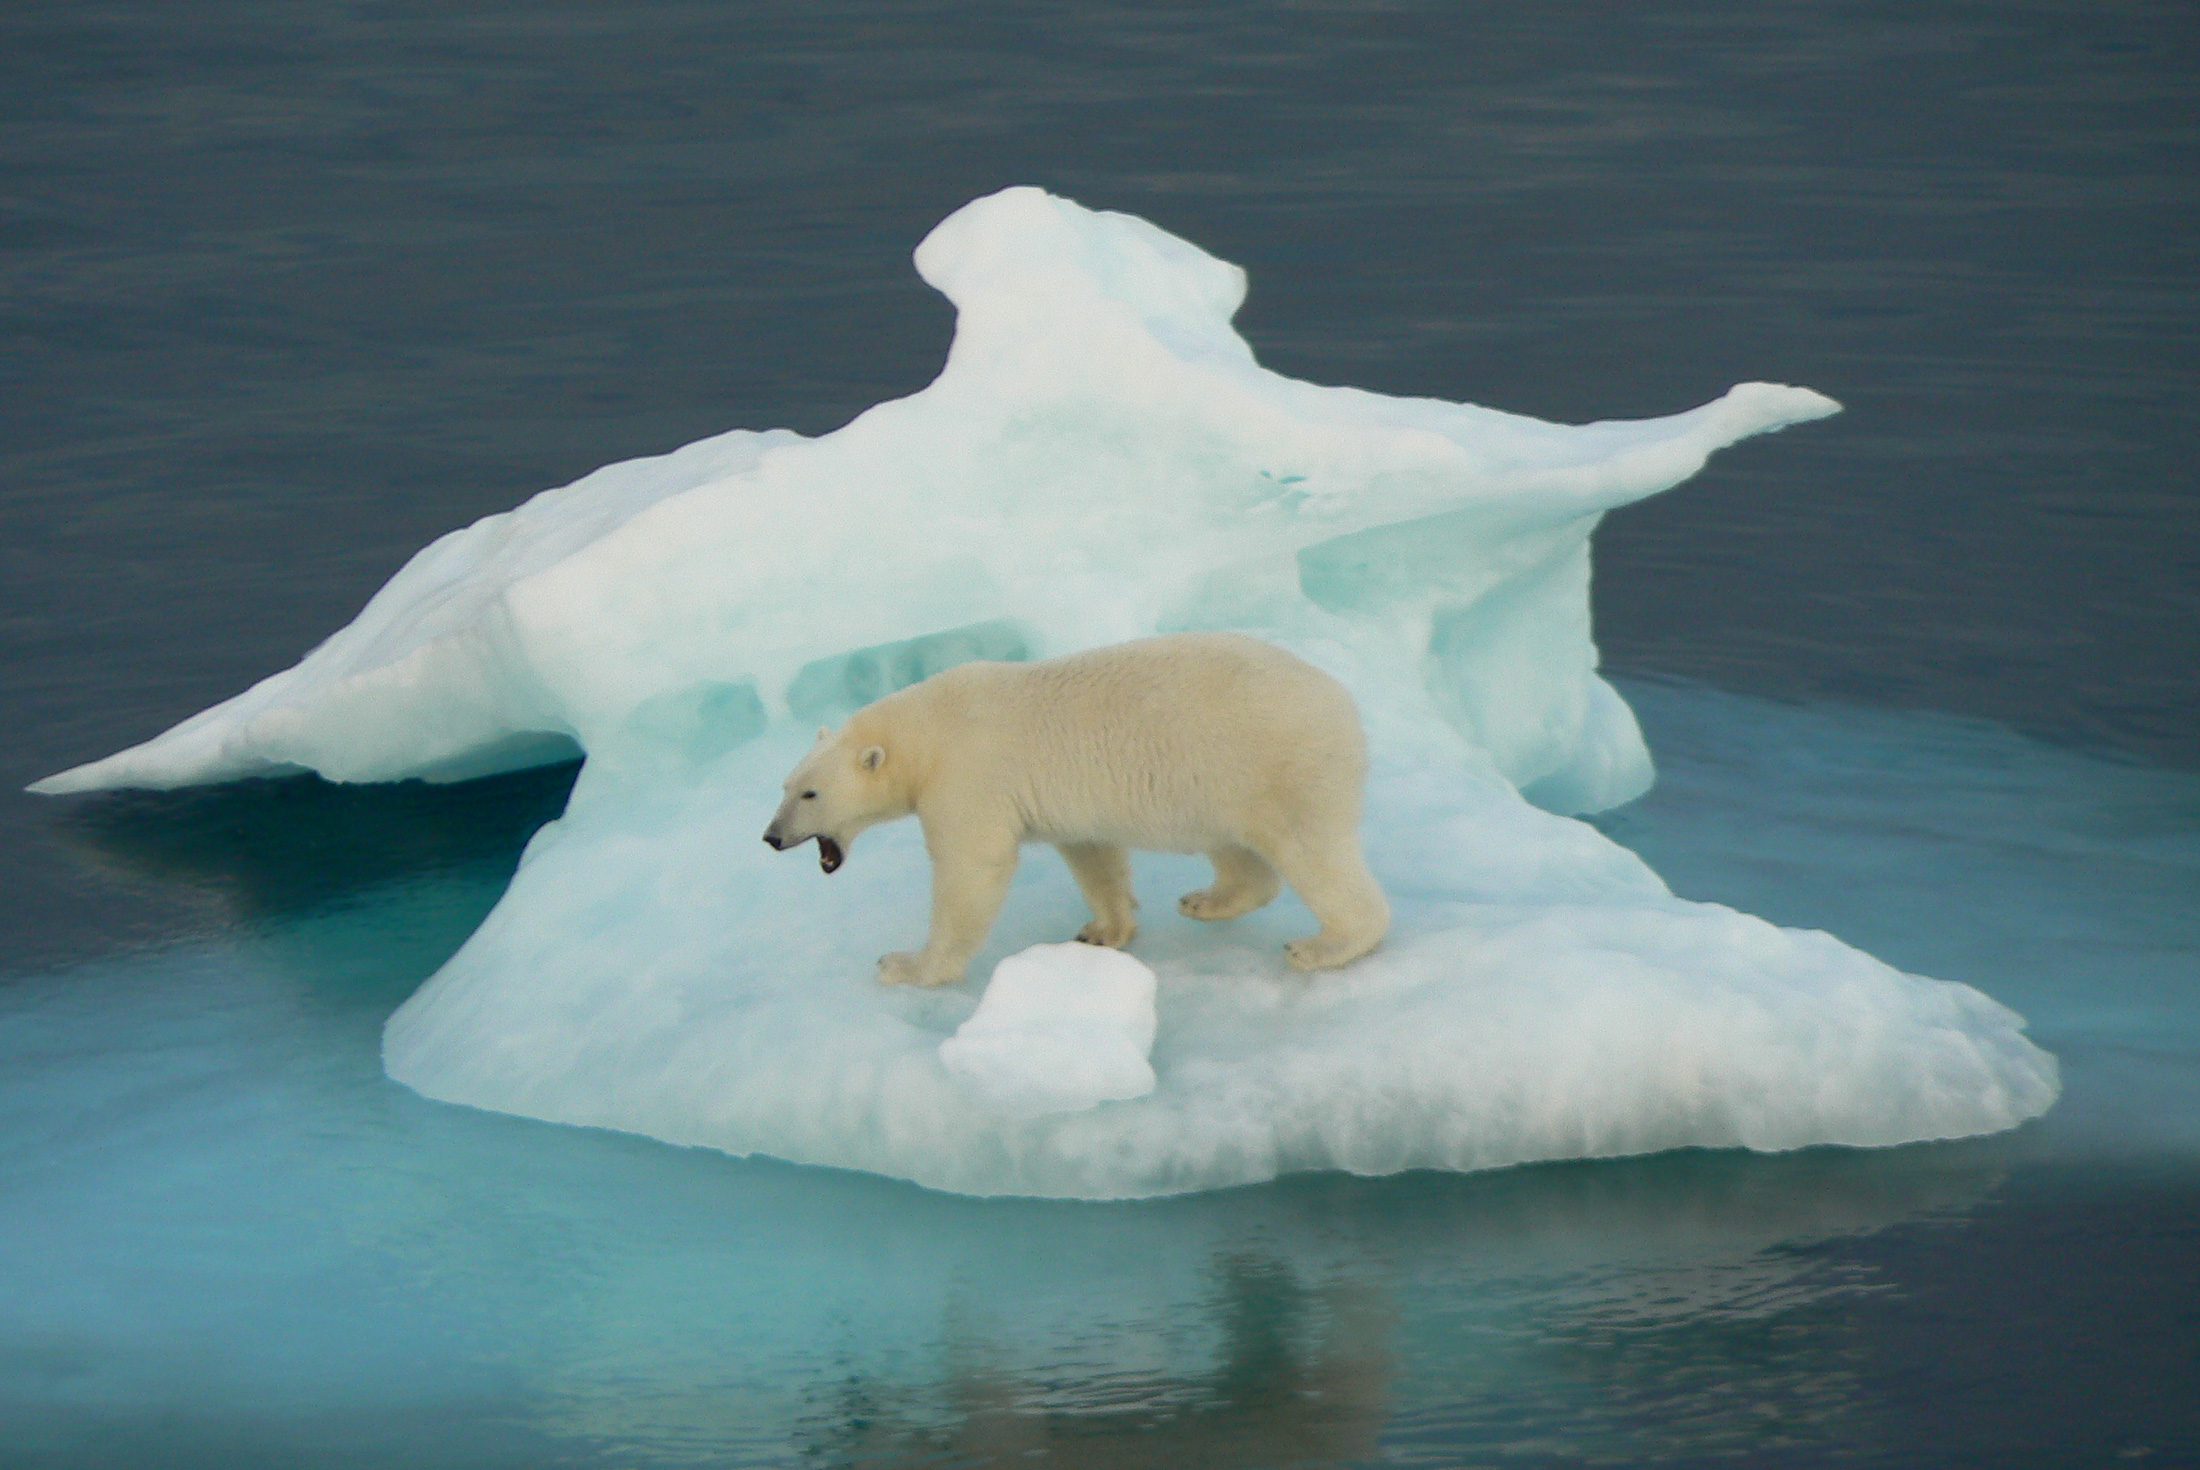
(1100, 458)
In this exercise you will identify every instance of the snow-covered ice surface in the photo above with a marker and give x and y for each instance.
(1101, 458)
(1061, 1028)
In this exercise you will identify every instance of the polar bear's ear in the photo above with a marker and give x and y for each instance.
(874, 757)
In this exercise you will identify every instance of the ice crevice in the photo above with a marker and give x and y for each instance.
(1100, 458)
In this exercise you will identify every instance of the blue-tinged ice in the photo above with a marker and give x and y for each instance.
(1101, 458)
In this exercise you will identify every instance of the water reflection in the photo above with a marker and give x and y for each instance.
(1301, 1374)
(1577, 1309)
(269, 849)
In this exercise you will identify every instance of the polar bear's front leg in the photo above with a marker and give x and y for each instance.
(970, 877)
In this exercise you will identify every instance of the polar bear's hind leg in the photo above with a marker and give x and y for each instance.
(1103, 872)
(1243, 883)
(1334, 882)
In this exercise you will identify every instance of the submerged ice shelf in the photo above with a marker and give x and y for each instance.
(1100, 458)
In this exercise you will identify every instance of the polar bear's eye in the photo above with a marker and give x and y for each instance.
(809, 796)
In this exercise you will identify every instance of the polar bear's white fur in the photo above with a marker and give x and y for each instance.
(1195, 742)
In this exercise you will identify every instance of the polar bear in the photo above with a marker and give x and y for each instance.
(1192, 742)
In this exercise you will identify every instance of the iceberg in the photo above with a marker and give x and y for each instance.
(1100, 458)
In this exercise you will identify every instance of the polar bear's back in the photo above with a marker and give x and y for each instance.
(1171, 743)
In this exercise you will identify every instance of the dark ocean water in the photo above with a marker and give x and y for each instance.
(287, 291)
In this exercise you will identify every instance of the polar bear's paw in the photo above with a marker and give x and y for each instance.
(1326, 951)
(906, 967)
(1108, 934)
(1217, 903)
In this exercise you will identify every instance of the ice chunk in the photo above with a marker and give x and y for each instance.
(1062, 1027)
(1100, 458)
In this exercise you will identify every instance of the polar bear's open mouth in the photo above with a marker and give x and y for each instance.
(828, 853)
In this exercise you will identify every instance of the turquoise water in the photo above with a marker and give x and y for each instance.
(230, 1240)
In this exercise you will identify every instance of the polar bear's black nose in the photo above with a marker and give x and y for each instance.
(776, 844)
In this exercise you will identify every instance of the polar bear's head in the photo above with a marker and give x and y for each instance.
(836, 791)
